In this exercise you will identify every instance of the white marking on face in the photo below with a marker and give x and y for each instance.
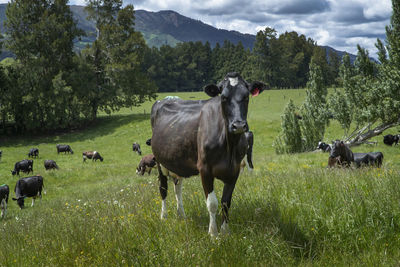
(234, 81)
(212, 205)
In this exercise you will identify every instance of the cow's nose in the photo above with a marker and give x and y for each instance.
(239, 127)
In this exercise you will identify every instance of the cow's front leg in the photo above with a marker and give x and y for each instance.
(212, 201)
(33, 201)
(178, 196)
(163, 191)
(226, 204)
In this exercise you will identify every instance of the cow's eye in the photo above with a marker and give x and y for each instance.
(223, 98)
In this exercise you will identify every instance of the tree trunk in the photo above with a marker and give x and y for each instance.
(362, 137)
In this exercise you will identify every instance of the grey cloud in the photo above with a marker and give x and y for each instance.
(303, 7)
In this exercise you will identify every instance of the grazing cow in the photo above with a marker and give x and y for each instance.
(50, 164)
(391, 139)
(64, 148)
(339, 148)
(28, 187)
(33, 152)
(324, 146)
(248, 159)
(4, 193)
(136, 148)
(206, 137)
(25, 165)
(146, 164)
(93, 155)
(148, 142)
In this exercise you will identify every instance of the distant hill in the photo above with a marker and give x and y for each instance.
(164, 28)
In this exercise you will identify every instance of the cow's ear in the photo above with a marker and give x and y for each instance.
(212, 90)
(14, 199)
(257, 87)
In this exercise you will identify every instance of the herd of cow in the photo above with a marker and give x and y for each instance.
(207, 137)
(32, 186)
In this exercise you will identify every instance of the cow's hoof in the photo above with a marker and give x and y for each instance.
(181, 214)
(224, 229)
(163, 215)
(212, 231)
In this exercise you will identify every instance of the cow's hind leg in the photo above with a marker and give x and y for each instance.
(3, 207)
(226, 204)
(33, 201)
(163, 191)
(178, 196)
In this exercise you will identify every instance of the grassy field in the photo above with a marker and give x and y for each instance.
(291, 210)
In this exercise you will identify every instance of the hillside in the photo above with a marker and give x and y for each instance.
(164, 28)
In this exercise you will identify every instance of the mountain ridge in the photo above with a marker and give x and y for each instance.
(165, 27)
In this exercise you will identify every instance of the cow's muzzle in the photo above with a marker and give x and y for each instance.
(239, 127)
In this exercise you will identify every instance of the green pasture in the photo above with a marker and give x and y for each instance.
(291, 210)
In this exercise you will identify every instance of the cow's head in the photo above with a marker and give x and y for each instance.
(338, 149)
(14, 172)
(234, 94)
(20, 201)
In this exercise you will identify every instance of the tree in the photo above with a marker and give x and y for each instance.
(116, 57)
(375, 101)
(40, 34)
(289, 141)
(314, 111)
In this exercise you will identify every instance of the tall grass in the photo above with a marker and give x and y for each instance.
(291, 210)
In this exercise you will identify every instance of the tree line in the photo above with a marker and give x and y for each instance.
(281, 61)
(49, 85)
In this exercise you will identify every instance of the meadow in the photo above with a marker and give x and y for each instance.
(290, 211)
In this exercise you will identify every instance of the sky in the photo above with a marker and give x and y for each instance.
(341, 24)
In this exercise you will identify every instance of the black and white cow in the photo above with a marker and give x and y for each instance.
(64, 148)
(33, 152)
(324, 146)
(93, 155)
(136, 148)
(391, 139)
(4, 193)
(28, 187)
(25, 166)
(50, 164)
(205, 137)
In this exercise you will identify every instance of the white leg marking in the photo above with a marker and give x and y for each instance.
(248, 166)
(33, 202)
(164, 209)
(212, 206)
(224, 228)
(178, 196)
(3, 208)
